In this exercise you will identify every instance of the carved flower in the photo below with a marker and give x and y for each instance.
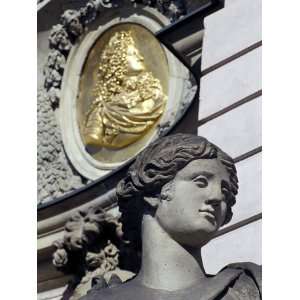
(107, 266)
(176, 10)
(111, 249)
(89, 12)
(94, 260)
(52, 78)
(59, 38)
(71, 20)
(54, 95)
(113, 261)
(83, 228)
(56, 60)
(60, 258)
(171, 8)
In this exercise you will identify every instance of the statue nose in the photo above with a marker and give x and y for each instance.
(216, 198)
(213, 201)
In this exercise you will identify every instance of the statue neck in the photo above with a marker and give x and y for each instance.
(166, 265)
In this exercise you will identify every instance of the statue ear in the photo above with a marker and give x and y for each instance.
(152, 201)
(167, 191)
(165, 194)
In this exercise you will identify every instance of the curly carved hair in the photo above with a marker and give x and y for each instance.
(113, 65)
(157, 165)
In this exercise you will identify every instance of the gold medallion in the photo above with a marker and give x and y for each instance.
(123, 89)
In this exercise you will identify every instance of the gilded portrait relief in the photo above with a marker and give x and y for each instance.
(122, 89)
(128, 98)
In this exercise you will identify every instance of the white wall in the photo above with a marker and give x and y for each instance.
(230, 116)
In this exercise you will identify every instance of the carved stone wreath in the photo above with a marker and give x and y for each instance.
(89, 250)
(56, 176)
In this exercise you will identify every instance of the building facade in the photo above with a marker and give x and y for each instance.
(214, 48)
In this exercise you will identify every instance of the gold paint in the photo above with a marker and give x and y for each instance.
(128, 99)
(155, 62)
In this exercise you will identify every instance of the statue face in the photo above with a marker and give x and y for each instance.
(197, 206)
(135, 62)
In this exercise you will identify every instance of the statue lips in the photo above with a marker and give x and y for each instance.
(208, 214)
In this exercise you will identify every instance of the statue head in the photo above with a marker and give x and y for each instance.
(183, 181)
(119, 59)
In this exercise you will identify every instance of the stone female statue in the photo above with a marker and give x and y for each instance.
(128, 99)
(175, 197)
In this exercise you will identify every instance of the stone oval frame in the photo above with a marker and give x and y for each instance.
(179, 79)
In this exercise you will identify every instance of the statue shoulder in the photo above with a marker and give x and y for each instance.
(248, 284)
(117, 291)
(106, 293)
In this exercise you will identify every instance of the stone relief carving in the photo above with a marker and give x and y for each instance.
(55, 174)
(53, 71)
(72, 21)
(128, 98)
(89, 250)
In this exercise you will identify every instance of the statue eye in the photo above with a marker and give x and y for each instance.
(201, 181)
(225, 190)
(225, 187)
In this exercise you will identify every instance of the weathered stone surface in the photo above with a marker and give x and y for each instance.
(42, 56)
(170, 8)
(55, 175)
